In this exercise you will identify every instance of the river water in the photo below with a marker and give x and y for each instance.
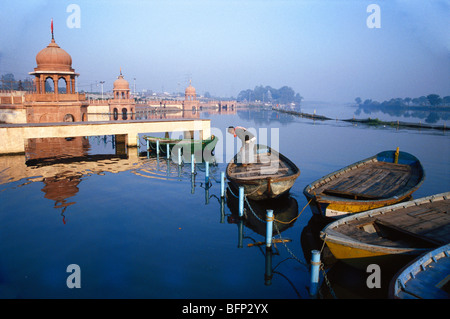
(141, 226)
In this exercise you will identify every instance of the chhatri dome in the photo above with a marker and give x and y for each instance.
(53, 58)
(190, 89)
(189, 93)
(121, 83)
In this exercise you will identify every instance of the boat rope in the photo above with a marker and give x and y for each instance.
(229, 188)
(327, 282)
(281, 222)
(322, 268)
(287, 248)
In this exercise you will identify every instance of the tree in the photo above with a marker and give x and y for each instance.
(358, 100)
(8, 81)
(446, 100)
(434, 99)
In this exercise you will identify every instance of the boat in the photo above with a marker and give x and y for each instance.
(269, 176)
(193, 145)
(427, 277)
(390, 236)
(384, 179)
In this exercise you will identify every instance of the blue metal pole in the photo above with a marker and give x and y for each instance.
(222, 184)
(315, 266)
(269, 224)
(240, 233)
(241, 201)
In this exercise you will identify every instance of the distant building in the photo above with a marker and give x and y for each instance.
(122, 101)
(190, 99)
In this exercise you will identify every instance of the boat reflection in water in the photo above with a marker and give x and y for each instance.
(285, 212)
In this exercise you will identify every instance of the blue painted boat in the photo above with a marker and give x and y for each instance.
(387, 178)
(427, 277)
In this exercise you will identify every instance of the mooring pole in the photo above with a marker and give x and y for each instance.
(168, 150)
(148, 145)
(179, 156)
(192, 164)
(268, 267)
(222, 184)
(240, 233)
(315, 266)
(157, 147)
(206, 172)
(269, 222)
(222, 210)
(241, 201)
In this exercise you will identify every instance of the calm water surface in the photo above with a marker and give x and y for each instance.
(143, 227)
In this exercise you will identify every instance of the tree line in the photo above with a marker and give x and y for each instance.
(430, 100)
(8, 82)
(267, 94)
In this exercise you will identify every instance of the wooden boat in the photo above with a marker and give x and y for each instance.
(269, 176)
(384, 179)
(207, 144)
(392, 235)
(427, 277)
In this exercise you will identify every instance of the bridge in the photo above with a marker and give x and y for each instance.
(14, 136)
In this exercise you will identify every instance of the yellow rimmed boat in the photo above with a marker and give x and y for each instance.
(384, 179)
(392, 235)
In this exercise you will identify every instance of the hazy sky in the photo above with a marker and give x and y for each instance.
(324, 50)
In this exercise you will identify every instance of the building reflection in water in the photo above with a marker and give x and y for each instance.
(61, 163)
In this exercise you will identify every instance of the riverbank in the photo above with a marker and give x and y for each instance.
(368, 121)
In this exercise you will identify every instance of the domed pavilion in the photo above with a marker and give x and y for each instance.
(190, 98)
(55, 99)
(122, 102)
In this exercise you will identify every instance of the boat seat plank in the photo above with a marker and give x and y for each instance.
(344, 194)
(410, 232)
(265, 171)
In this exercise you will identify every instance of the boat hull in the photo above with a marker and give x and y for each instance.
(361, 256)
(265, 189)
(426, 277)
(337, 205)
(389, 236)
(187, 145)
(262, 188)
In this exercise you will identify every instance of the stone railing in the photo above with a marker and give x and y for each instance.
(52, 97)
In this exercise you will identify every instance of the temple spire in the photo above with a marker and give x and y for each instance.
(51, 26)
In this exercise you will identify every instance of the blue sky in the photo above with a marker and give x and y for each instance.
(322, 49)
